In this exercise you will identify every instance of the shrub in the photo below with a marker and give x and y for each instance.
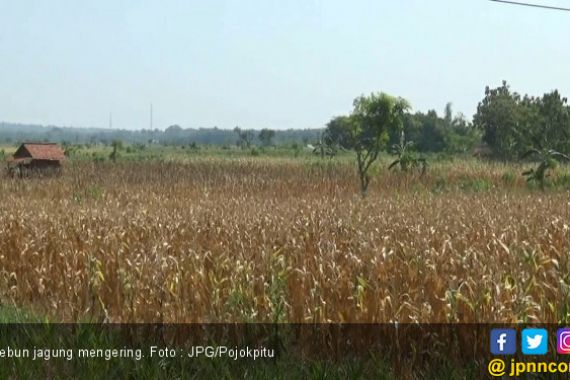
(509, 178)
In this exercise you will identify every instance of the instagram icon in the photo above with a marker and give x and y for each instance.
(563, 341)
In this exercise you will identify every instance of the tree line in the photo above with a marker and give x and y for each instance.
(174, 135)
(512, 126)
(507, 123)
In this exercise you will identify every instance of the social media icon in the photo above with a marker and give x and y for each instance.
(504, 341)
(563, 341)
(534, 341)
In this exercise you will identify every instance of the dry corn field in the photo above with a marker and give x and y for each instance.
(277, 240)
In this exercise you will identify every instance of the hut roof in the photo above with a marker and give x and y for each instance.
(40, 151)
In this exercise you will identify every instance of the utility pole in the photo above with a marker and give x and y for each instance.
(110, 120)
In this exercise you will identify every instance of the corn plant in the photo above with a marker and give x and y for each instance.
(268, 239)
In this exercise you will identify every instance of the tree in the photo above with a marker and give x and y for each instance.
(552, 124)
(367, 129)
(174, 129)
(117, 146)
(448, 114)
(432, 135)
(337, 132)
(512, 124)
(507, 120)
(245, 138)
(459, 136)
(498, 116)
(266, 136)
(374, 116)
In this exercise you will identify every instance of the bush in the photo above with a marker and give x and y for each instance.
(475, 184)
(562, 181)
(509, 178)
(440, 185)
(443, 157)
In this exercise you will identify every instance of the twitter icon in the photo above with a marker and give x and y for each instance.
(534, 341)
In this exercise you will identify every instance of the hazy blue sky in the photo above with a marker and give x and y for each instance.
(265, 63)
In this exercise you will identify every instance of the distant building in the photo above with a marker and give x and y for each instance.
(37, 157)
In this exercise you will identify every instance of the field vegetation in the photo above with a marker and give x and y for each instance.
(333, 230)
(260, 239)
(384, 216)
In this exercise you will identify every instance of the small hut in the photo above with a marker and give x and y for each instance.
(39, 157)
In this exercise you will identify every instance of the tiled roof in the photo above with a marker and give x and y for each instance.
(37, 151)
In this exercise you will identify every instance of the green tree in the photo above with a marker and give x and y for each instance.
(338, 131)
(448, 114)
(459, 136)
(552, 124)
(434, 133)
(432, 136)
(245, 138)
(512, 124)
(504, 118)
(266, 137)
(366, 131)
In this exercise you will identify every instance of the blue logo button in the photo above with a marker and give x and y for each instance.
(534, 341)
(503, 341)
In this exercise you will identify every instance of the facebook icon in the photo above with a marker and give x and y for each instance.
(503, 341)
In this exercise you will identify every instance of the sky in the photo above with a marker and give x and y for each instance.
(266, 63)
